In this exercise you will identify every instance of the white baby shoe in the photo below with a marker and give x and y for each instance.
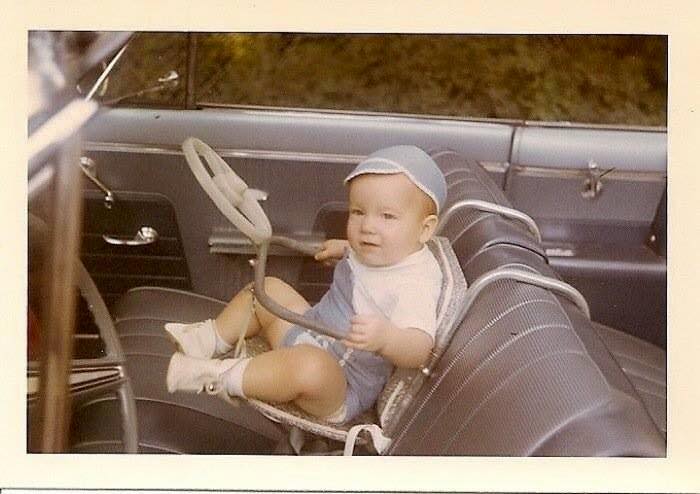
(196, 339)
(194, 375)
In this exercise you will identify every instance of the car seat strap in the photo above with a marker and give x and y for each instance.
(240, 349)
(297, 439)
(379, 440)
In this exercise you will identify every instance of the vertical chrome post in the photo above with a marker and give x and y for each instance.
(59, 305)
(190, 95)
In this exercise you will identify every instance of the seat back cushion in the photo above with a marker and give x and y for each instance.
(520, 377)
(405, 383)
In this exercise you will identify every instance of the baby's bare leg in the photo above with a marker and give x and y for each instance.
(232, 318)
(304, 374)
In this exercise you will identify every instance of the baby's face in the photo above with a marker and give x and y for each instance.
(389, 218)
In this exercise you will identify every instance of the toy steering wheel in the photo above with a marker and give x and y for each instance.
(230, 193)
(240, 205)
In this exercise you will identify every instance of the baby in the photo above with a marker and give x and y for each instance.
(384, 294)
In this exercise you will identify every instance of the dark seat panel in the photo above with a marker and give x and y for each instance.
(145, 326)
(154, 344)
(148, 374)
(487, 230)
(164, 428)
(645, 366)
(195, 432)
(639, 356)
(449, 161)
(211, 424)
(524, 377)
(165, 304)
(505, 255)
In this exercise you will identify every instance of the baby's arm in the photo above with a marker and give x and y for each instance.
(331, 251)
(403, 347)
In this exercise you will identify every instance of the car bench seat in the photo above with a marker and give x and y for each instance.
(211, 425)
(510, 244)
(645, 366)
(494, 243)
(525, 373)
(142, 312)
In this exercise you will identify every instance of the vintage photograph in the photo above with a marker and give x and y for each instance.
(295, 243)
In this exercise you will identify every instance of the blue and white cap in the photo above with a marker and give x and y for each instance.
(413, 162)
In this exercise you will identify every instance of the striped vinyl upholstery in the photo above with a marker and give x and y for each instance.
(519, 380)
(644, 364)
(168, 423)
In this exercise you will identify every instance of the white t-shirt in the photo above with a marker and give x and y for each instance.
(406, 293)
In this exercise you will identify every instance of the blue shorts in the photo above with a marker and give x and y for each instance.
(366, 372)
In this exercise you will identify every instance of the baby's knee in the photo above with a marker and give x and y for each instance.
(317, 370)
(274, 288)
(275, 285)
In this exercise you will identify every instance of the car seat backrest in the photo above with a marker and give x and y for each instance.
(403, 384)
(491, 230)
(522, 377)
(471, 230)
(458, 169)
(500, 255)
(524, 374)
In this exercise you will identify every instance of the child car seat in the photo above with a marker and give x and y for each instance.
(402, 384)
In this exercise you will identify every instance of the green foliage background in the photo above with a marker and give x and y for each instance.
(612, 79)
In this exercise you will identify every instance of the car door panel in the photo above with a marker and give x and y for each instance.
(600, 243)
(300, 160)
(116, 268)
(342, 135)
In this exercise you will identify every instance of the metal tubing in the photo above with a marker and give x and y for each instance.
(130, 428)
(190, 100)
(489, 207)
(59, 311)
(303, 247)
(522, 276)
(278, 310)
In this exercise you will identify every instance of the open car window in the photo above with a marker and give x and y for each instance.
(150, 72)
(601, 79)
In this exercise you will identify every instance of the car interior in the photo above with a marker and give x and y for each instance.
(557, 345)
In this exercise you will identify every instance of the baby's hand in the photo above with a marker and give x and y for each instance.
(368, 333)
(331, 252)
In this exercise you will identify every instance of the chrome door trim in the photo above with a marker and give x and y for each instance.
(364, 114)
(347, 159)
(582, 173)
(495, 166)
(320, 113)
(122, 147)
